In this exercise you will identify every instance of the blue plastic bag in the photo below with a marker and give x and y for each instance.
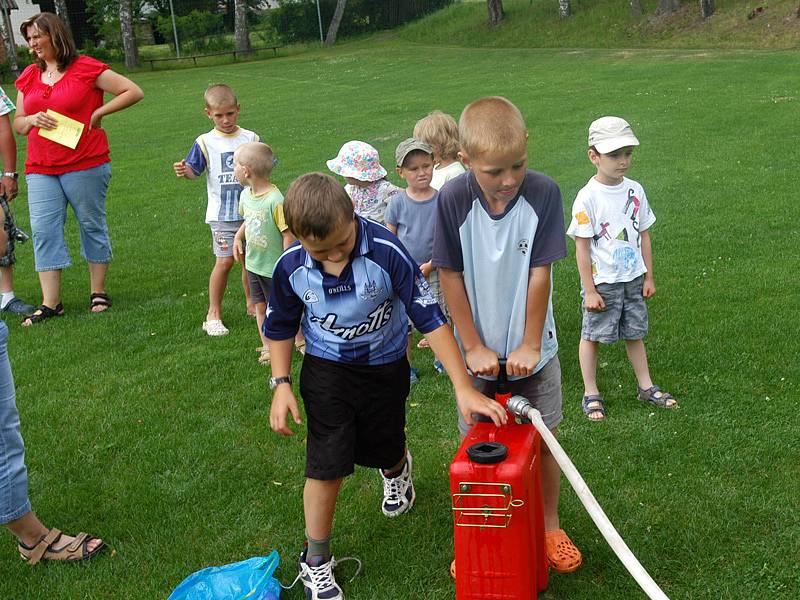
(249, 579)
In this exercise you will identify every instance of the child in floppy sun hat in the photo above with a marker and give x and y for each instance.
(367, 186)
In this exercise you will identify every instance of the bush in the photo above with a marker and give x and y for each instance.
(296, 20)
(193, 29)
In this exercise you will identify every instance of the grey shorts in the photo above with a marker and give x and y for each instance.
(625, 315)
(222, 233)
(260, 287)
(542, 390)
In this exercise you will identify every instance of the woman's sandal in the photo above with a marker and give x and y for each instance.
(99, 299)
(43, 313)
(593, 405)
(562, 555)
(656, 397)
(77, 549)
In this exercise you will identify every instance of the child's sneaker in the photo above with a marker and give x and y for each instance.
(318, 580)
(398, 492)
(414, 376)
(439, 367)
(214, 327)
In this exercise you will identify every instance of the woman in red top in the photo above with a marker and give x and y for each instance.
(61, 82)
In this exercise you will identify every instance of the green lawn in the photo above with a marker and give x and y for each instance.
(142, 429)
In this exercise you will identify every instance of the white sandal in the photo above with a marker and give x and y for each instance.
(214, 327)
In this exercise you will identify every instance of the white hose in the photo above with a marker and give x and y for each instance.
(522, 407)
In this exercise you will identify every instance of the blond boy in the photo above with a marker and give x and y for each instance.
(213, 152)
(440, 131)
(500, 227)
(264, 235)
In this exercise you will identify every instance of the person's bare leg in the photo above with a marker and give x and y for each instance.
(6, 279)
(216, 286)
(50, 281)
(319, 504)
(551, 487)
(251, 307)
(97, 283)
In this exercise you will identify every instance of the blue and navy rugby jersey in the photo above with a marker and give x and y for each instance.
(361, 316)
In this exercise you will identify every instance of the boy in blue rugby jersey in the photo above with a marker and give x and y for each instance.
(352, 286)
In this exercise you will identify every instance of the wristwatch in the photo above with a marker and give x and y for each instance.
(14, 175)
(276, 381)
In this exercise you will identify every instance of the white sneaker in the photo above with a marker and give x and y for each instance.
(215, 327)
(318, 581)
(398, 492)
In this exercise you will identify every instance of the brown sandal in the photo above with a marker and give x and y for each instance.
(76, 550)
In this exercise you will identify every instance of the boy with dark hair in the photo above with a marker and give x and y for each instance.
(499, 228)
(354, 286)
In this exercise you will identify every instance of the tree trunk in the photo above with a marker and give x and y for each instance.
(128, 35)
(61, 11)
(496, 12)
(241, 30)
(7, 31)
(667, 7)
(333, 28)
(635, 7)
(707, 8)
(564, 9)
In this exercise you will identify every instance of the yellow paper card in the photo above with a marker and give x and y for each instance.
(67, 132)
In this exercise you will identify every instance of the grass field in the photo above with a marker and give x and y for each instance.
(142, 429)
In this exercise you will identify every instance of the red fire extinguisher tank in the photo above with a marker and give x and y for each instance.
(497, 511)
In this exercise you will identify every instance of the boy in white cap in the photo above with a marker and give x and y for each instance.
(611, 220)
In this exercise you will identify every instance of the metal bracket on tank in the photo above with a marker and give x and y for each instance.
(488, 509)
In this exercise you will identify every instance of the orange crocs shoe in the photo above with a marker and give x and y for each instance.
(562, 555)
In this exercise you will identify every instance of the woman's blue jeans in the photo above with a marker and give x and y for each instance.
(48, 198)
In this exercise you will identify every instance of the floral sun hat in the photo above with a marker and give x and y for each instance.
(358, 160)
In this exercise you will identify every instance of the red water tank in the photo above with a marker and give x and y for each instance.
(497, 513)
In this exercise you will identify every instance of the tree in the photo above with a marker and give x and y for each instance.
(7, 32)
(564, 9)
(707, 8)
(496, 12)
(128, 34)
(333, 28)
(63, 14)
(667, 7)
(241, 32)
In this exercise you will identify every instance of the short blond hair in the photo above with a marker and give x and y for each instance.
(219, 95)
(315, 205)
(440, 131)
(256, 156)
(491, 125)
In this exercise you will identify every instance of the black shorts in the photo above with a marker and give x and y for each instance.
(356, 414)
(260, 287)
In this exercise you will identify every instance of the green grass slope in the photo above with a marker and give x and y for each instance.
(607, 24)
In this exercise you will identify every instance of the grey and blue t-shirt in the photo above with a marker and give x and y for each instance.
(496, 252)
(361, 316)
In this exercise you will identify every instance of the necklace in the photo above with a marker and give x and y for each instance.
(50, 74)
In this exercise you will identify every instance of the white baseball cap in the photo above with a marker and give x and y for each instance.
(607, 134)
